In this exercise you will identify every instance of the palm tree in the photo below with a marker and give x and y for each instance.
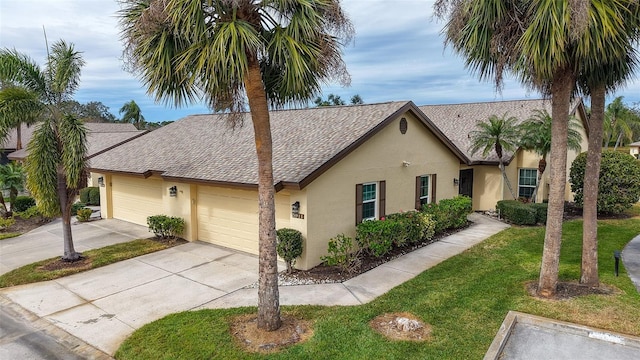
(11, 178)
(267, 53)
(620, 122)
(597, 79)
(541, 42)
(132, 114)
(499, 134)
(55, 165)
(18, 106)
(536, 137)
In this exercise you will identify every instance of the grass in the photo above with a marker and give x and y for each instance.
(464, 299)
(35, 272)
(9, 235)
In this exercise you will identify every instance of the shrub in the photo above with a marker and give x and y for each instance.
(619, 184)
(377, 236)
(22, 203)
(84, 214)
(165, 226)
(77, 206)
(516, 212)
(90, 195)
(449, 213)
(29, 213)
(416, 226)
(541, 212)
(6, 223)
(341, 253)
(289, 246)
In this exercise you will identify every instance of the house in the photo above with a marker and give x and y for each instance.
(333, 167)
(10, 143)
(634, 149)
(101, 137)
(480, 178)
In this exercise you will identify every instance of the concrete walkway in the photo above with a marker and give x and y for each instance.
(102, 307)
(46, 241)
(631, 260)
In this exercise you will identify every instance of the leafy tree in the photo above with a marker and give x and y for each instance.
(12, 179)
(498, 134)
(270, 52)
(18, 106)
(332, 100)
(93, 111)
(55, 165)
(619, 186)
(356, 100)
(132, 114)
(620, 122)
(536, 136)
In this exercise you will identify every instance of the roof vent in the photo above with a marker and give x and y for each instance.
(403, 126)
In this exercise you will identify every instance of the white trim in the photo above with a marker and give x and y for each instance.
(428, 196)
(527, 186)
(374, 200)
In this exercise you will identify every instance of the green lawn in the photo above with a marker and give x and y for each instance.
(9, 235)
(464, 298)
(96, 258)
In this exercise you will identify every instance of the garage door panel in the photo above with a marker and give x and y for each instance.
(229, 217)
(136, 199)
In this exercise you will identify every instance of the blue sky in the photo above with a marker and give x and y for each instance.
(397, 54)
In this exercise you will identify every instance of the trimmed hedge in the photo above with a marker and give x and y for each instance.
(90, 195)
(541, 212)
(166, 227)
(517, 212)
(449, 213)
(22, 203)
(289, 246)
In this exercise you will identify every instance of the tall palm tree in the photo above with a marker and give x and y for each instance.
(55, 165)
(499, 134)
(132, 114)
(620, 122)
(536, 137)
(266, 53)
(597, 79)
(541, 42)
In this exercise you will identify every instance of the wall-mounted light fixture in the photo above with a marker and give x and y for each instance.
(456, 182)
(101, 181)
(295, 209)
(173, 191)
(406, 163)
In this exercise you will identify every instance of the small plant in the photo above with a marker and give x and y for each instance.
(289, 246)
(166, 227)
(29, 213)
(84, 214)
(341, 253)
(6, 223)
(90, 195)
(22, 203)
(77, 206)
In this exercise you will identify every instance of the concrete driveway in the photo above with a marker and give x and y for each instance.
(46, 241)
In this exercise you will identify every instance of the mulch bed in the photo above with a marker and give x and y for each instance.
(570, 290)
(25, 225)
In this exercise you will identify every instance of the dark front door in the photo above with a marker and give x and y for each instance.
(466, 182)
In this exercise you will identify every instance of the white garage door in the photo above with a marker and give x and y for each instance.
(229, 217)
(134, 199)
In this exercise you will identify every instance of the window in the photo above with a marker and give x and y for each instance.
(527, 179)
(425, 190)
(370, 201)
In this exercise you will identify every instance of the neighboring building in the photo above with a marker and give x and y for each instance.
(634, 149)
(480, 177)
(333, 167)
(9, 144)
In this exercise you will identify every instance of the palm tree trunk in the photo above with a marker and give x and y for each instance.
(589, 266)
(19, 136)
(506, 179)
(563, 83)
(268, 295)
(70, 253)
(618, 141)
(542, 164)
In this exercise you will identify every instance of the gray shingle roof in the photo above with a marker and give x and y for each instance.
(457, 120)
(205, 148)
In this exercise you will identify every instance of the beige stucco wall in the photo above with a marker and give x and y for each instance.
(487, 186)
(634, 151)
(330, 199)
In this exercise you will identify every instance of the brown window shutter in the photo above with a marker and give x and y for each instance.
(358, 204)
(381, 201)
(418, 183)
(433, 188)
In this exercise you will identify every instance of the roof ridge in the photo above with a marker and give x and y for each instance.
(486, 102)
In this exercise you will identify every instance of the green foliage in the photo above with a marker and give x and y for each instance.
(77, 206)
(90, 195)
(6, 223)
(416, 227)
(341, 253)
(541, 212)
(289, 246)
(12, 179)
(619, 185)
(166, 227)
(449, 213)
(22, 203)
(377, 236)
(29, 213)
(84, 214)
(517, 212)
